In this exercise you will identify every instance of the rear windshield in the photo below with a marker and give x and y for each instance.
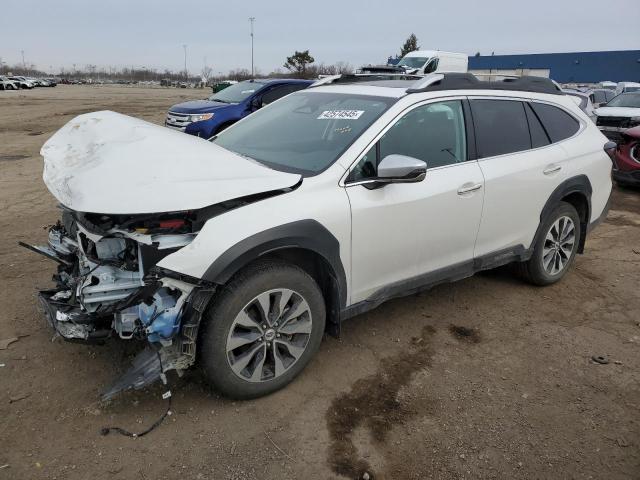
(304, 132)
(626, 100)
(238, 92)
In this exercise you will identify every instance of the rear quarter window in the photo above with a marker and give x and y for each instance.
(558, 124)
(501, 127)
(539, 137)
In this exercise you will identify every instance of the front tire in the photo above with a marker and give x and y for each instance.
(262, 330)
(556, 247)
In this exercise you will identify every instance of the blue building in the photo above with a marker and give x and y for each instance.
(573, 67)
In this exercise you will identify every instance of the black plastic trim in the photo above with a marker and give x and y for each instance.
(304, 234)
(603, 215)
(578, 184)
(470, 130)
(437, 277)
(468, 81)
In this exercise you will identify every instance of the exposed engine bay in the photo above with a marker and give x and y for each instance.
(107, 285)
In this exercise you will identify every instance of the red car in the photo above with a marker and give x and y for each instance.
(626, 169)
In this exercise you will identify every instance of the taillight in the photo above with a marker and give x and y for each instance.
(610, 149)
(177, 223)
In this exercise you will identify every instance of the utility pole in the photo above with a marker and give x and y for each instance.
(24, 65)
(251, 20)
(185, 62)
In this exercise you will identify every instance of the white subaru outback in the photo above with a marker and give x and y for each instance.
(240, 252)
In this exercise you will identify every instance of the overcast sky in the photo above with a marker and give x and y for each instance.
(151, 33)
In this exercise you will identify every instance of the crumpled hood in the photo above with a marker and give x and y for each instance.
(106, 162)
(618, 112)
(198, 106)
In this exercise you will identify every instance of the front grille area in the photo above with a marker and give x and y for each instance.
(178, 121)
(619, 122)
(613, 136)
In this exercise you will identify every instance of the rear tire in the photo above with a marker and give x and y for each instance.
(556, 247)
(247, 352)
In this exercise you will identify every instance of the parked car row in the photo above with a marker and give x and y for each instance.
(206, 118)
(18, 82)
(619, 120)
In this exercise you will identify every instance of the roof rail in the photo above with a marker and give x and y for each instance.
(324, 80)
(363, 77)
(468, 81)
(426, 81)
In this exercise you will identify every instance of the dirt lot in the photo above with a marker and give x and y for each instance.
(486, 378)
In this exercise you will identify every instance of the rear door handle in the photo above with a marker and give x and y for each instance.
(469, 187)
(552, 169)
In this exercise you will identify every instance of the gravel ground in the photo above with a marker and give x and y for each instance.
(485, 378)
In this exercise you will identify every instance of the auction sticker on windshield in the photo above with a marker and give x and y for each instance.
(341, 114)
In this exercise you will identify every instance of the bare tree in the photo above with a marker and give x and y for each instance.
(207, 73)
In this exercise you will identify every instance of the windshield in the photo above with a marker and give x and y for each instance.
(304, 132)
(625, 100)
(631, 89)
(413, 62)
(237, 93)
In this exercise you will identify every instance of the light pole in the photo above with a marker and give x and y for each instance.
(251, 20)
(185, 61)
(24, 65)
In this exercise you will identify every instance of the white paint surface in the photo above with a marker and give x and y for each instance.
(106, 162)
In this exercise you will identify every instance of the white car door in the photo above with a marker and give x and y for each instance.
(521, 165)
(404, 232)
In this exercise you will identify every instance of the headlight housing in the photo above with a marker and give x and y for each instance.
(634, 120)
(200, 117)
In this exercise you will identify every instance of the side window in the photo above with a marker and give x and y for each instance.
(539, 137)
(598, 97)
(431, 66)
(557, 123)
(278, 92)
(434, 133)
(501, 127)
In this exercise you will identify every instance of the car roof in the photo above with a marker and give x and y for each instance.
(359, 84)
(431, 53)
(374, 89)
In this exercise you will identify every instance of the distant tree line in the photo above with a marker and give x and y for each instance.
(299, 65)
(132, 74)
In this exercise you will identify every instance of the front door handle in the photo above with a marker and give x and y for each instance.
(552, 169)
(469, 187)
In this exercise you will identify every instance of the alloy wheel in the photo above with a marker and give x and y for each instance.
(558, 245)
(269, 335)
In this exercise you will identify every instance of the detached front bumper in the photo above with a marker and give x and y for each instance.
(627, 177)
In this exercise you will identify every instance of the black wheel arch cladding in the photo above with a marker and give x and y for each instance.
(303, 235)
(574, 189)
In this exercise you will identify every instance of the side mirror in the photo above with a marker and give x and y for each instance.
(256, 103)
(401, 169)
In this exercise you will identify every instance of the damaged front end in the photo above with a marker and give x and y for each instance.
(107, 284)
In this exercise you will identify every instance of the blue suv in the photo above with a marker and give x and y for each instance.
(205, 118)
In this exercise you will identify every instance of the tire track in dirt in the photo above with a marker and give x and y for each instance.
(372, 404)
